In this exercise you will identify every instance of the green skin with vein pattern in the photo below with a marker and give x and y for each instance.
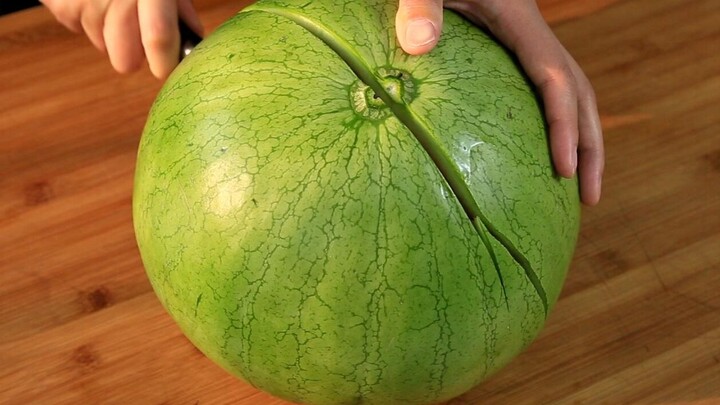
(337, 222)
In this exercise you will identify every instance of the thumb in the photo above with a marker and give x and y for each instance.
(418, 24)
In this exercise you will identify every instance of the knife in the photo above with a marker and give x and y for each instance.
(188, 39)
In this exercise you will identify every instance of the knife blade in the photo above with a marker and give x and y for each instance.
(188, 39)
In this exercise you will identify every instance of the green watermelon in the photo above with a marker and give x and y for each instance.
(337, 222)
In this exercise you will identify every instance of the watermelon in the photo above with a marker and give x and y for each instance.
(337, 222)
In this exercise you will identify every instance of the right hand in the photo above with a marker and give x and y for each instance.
(130, 30)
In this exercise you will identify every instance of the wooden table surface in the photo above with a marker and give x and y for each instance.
(638, 321)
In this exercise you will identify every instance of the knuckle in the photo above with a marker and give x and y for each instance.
(588, 93)
(92, 15)
(561, 78)
(91, 23)
(124, 64)
(160, 71)
(158, 35)
(70, 23)
(67, 18)
(554, 122)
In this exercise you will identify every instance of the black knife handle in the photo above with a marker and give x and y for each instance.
(188, 39)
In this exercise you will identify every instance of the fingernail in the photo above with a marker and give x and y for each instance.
(420, 32)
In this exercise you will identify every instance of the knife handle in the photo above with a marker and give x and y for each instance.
(188, 39)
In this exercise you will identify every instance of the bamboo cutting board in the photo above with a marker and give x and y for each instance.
(639, 318)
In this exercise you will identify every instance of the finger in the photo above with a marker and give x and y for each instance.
(558, 90)
(592, 165)
(66, 13)
(122, 36)
(546, 66)
(189, 15)
(477, 12)
(160, 35)
(542, 56)
(591, 152)
(92, 20)
(418, 24)
(570, 106)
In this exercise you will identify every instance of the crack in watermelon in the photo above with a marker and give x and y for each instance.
(438, 154)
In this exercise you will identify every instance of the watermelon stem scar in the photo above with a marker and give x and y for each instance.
(388, 85)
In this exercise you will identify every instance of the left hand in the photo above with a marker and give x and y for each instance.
(576, 139)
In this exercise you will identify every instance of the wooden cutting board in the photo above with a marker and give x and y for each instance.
(639, 318)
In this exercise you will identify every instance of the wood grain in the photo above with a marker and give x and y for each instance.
(639, 318)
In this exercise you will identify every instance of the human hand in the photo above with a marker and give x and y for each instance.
(576, 139)
(130, 30)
